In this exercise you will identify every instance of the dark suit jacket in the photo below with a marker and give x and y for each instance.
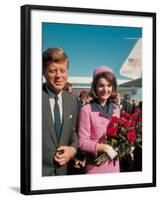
(126, 106)
(49, 139)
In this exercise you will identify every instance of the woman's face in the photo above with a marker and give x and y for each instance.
(103, 89)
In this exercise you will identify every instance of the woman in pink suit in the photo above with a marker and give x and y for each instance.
(95, 117)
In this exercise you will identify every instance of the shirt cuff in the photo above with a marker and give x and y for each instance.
(74, 151)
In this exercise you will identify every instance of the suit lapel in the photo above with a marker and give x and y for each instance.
(48, 117)
(66, 110)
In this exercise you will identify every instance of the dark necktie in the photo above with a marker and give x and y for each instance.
(57, 118)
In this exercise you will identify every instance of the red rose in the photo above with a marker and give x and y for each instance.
(116, 119)
(134, 116)
(125, 114)
(111, 131)
(133, 123)
(140, 119)
(131, 136)
(131, 130)
(127, 123)
(137, 110)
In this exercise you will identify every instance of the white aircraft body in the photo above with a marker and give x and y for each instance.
(132, 66)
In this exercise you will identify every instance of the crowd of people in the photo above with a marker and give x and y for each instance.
(73, 128)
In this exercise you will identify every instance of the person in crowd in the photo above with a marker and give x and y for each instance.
(126, 105)
(140, 105)
(59, 114)
(95, 117)
(118, 100)
(68, 88)
(82, 98)
(133, 105)
(137, 164)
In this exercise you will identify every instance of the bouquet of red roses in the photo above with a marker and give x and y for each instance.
(123, 134)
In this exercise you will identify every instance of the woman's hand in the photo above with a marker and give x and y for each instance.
(110, 151)
(107, 149)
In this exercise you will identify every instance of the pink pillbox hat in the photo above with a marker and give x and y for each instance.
(101, 69)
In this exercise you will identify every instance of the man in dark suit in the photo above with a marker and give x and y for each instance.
(126, 105)
(59, 114)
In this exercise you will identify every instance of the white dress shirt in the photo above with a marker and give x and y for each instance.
(52, 102)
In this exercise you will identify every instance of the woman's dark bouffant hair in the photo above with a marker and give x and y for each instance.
(111, 79)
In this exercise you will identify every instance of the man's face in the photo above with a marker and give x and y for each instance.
(56, 76)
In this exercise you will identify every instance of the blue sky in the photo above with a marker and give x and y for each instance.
(89, 46)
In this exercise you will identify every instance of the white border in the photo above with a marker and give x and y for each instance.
(43, 183)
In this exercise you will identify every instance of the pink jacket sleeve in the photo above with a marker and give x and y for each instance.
(85, 143)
